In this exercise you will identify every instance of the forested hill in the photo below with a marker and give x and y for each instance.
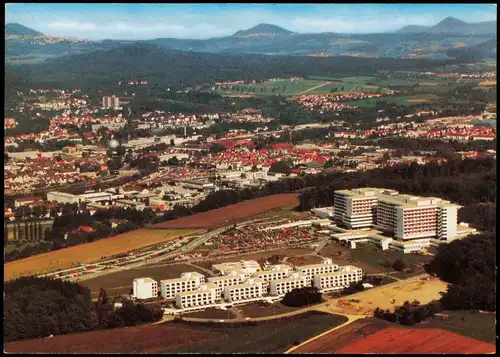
(179, 69)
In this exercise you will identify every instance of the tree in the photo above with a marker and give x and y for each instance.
(6, 157)
(172, 142)
(398, 265)
(302, 296)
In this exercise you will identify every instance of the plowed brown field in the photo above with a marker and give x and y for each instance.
(137, 339)
(398, 340)
(376, 337)
(231, 213)
(86, 253)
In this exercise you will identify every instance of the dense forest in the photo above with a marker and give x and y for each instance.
(40, 307)
(177, 69)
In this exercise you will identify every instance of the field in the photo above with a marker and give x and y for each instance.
(229, 214)
(137, 339)
(369, 258)
(467, 323)
(86, 253)
(402, 101)
(377, 336)
(273, 337)
(390, 296)
(121, 282)
(211, 314)
(257, 310)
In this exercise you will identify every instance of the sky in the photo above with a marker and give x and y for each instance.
(201, 21)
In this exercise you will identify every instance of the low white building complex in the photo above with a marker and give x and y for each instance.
(205, 295)
(243, 266)
(187, 282)
(311, 270)
(221, 282)
(274, 272)
(339, 279)
(144, 288)
(282, 286)
(250, 290)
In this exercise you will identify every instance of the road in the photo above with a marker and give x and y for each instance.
(313, 88)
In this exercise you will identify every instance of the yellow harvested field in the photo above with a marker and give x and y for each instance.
(90, 252)
(405, 290)
(488, 83)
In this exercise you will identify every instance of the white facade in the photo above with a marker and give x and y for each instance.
(169, 288)
(251, 289)
(309, 271)
(110, 102)
(243, 266)
(145, 288)
(221, 282)
(276, 272)
(281, 287)
(62, 197)
(205, 295)
(337, 280)
(356, 208)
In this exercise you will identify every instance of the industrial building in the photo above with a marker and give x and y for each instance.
(144, 288)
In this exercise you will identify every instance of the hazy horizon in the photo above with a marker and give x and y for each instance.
(203, 21)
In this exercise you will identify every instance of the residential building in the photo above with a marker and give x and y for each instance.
(145, 288)
(311, 270)
(251, 289)
(221, 282)
(275, 272)
(204, 295)
(356, 208)
(169, 288)
(337, 280)
(282, 286)
(243, 266)
(110, 102)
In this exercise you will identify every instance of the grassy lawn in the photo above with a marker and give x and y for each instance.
(369, 257)
(272, 337)
(402, 101)
(258, 310)
(474, 325)
(211, 314)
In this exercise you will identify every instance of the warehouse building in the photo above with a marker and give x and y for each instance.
(144, 288)
(204, 295)
(336, 281)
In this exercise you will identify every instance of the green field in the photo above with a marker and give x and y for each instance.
(468, 323)
(401, 101)
(274, 337)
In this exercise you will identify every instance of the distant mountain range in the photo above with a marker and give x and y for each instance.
(454, 26)
(451, 38)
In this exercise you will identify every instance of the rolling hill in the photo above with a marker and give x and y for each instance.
(265, 39)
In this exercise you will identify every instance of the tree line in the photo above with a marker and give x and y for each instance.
(40, 307)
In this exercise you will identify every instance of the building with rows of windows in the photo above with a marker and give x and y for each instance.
(275, 272)
(406, 217)
(204, 295)
(249, 290)
(187, 282)
(338, 280)
(144, 288)
(221, 282)
(310, 270)
(282, 286)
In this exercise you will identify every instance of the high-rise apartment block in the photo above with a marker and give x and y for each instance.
(405, 216)
(145, 288)
(110, 102)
